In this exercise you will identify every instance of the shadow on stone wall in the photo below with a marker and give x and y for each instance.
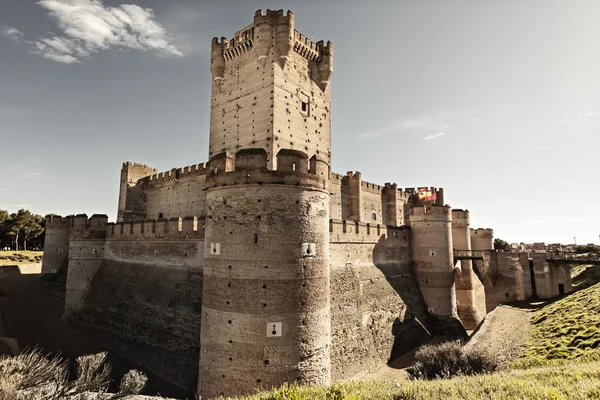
(412, 328)
(150, 315)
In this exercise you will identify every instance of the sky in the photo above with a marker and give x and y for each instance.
(498, 102)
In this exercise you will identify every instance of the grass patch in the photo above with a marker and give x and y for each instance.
(568, 329)
(20, 257)
(572, 381)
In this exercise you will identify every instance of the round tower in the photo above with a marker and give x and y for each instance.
(465, 277)
(266, 297)
(431, 244)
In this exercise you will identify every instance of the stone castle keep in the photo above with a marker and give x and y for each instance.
(262, 266)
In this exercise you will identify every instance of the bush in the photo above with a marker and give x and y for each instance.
(30, 375)
(450, 359)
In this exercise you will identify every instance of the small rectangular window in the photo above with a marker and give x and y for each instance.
(160, 215)
(374, 216)
(305, 104)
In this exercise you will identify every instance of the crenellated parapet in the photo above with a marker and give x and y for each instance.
(56, 222)
(432, 212)
(460, 217)
(482, 232)
(174, 228)
(360, 232)
(175, 174)
(272, 31)
(84, 228)
(249, 167)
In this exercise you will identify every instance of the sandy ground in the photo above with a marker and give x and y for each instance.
(30, 312)
(505, 331)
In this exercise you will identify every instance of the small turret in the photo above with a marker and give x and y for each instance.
(326, 64)
(284, 28)
(217, 61)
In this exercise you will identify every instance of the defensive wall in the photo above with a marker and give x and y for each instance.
(140, 284)
(377, 311)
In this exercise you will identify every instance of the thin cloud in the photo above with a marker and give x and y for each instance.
(422, 123)
(590, 114)
(477, 120)
(88, 27)
(564, 221)
(544, 148)
(33, 175)
(13, 34)
(434, 136)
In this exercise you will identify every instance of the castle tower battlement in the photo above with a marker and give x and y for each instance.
(271, 90)
(250, 166)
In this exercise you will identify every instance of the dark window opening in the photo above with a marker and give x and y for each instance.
(256, 238)
(160, 215)
(304, 106)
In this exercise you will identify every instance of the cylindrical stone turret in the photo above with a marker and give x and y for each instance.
(431, 242)
(217, 61)
(466, 280)
(266, 296)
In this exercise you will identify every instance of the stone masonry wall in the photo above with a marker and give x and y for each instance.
(145, 296)
(374, 295)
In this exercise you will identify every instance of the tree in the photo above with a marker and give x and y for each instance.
(27, 226)
(500, 244)
(20, 228)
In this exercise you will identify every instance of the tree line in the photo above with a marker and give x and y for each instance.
(22, 230)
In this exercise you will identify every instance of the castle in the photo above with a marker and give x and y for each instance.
(262, 266)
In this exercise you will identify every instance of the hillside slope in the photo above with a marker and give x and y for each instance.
(567, 329)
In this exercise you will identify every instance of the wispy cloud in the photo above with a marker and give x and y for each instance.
(421, 124)
(13, 34)
(564, 221)
(544, 148)
(477, 120)
(590, 114)
(89, 26)
(33, 175)
(434, 136)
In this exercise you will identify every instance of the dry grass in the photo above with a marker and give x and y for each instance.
(572, 381)
(31, 375)
(20, 257)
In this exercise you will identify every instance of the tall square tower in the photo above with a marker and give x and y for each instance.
(271, 90)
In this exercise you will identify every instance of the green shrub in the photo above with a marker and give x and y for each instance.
(450, 359)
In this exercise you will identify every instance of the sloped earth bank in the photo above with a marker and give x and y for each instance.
(505, 331)
(31, 308)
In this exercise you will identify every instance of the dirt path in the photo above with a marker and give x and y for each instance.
(505, 331)
(31, 311)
